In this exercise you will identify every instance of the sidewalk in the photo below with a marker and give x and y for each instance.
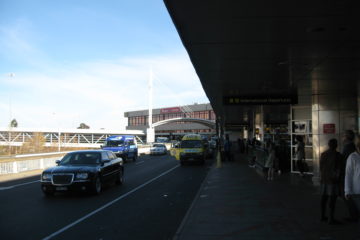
(236, 202)
(17, 176)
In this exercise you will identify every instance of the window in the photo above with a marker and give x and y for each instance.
(104, 156)
(111, 156)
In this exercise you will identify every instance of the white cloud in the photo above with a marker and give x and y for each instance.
(98, 92)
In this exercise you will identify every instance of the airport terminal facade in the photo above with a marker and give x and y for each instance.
(139, 120)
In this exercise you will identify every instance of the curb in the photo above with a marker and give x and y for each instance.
(187, 215)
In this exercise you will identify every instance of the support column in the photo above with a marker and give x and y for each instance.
(150, 135)
(334, 110)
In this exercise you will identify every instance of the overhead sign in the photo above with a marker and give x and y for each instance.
(329, 128)
(261, 100)
(170, 110)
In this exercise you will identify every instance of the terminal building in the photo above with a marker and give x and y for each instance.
(274, 65)
(139, 120)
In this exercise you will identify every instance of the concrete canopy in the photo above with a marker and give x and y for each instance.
(261, 47)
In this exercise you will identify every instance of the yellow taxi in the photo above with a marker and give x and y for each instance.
(191, 149)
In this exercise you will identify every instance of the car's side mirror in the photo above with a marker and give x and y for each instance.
(101, 146)
(57, 162)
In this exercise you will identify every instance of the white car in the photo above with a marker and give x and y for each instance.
(158, 149)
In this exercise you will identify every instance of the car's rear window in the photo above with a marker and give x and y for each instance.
(158, 145)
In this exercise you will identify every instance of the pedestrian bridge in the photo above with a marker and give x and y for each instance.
(77, 137)
(60, 137)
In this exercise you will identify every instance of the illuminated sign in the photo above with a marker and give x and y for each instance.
(170, 110)
(261, 100)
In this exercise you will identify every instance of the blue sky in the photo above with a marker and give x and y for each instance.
(67, 62)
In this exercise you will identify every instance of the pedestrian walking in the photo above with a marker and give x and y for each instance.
(348, 148)
(352, 177)
(270, 162)
(300, 154)
(330, 167)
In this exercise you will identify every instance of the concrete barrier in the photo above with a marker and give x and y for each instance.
(16, 166)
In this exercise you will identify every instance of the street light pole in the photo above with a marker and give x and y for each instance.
(11, 75)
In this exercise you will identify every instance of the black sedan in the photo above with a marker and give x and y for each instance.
(83, 171)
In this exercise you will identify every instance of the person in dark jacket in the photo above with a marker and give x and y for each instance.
(348, 148)
(330, 167)
(227, 148)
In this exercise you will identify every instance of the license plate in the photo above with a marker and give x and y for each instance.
(61, 188)
(191, 159)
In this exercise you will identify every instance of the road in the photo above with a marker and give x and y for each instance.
(151, 204)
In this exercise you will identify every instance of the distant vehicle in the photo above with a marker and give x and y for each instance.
(191, 149)
(158, 149)
(83, 171)
(162, 139)
(124, 146)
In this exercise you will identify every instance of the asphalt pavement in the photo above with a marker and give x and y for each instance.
(151, 204)
(162, 200)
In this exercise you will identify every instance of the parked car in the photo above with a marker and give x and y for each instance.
(158, 149)
(85, 170)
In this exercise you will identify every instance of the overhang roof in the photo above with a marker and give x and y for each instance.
(262, 47)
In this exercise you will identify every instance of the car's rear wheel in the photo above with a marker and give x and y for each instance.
(120, 178)
(97, 186)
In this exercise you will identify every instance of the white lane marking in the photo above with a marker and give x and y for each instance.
(139, 163)
(17, 185)
(106, 205)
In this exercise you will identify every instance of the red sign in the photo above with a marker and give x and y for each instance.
(329, 128)
(170, 110)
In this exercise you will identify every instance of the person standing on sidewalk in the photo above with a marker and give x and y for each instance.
(330, 167)
(300, 154)
(348, 148)
(227, 148)
(270, 162)
(352, 177)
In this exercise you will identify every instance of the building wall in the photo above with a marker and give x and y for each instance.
(138, 120)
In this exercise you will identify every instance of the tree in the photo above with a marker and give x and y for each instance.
(83, 126)
(14, 123)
